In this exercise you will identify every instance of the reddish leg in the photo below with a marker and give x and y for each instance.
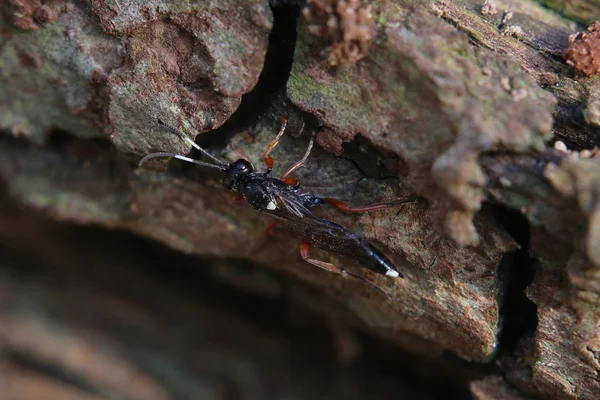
(268, 160)
(302, 161)
(270, 226)
(237, 196)
(290, 181)
(305, 253)
(343, 206)
(265, 240)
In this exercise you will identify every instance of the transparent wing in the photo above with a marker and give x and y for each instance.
(320, 232)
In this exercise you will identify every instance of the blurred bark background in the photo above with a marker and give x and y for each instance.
(469, 105)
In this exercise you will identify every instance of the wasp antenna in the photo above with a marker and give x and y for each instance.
(190, 141)
(179, 157)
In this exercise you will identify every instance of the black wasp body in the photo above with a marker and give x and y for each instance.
(286, 203)
(281, 199)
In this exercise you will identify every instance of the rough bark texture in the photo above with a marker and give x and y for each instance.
(459, 102)
(131, 326)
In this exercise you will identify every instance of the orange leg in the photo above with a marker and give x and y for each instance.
(343, 206)
(263, 243)
(268, 160)
(237, 196)
(302, 161)
(270, 226)
(289, 180)
(305, 253)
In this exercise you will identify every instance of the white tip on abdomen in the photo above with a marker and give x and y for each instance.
(392, 273)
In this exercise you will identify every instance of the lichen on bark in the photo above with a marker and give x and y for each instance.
(461, 104)
(426, 95)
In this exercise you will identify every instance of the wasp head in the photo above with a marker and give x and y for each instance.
(236, 172)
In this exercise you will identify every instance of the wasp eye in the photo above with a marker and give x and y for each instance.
(241, 167)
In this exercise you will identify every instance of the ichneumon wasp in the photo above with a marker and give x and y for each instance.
(281, 199)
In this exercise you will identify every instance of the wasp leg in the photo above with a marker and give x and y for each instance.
(289, 180)
(266, 157)
(362, 178)
(263, 243)
(299, 163)
(305, 253)
(343, 206)
(237, 196)
(270, 226)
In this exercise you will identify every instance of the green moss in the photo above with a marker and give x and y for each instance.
(381, 20)
(582, 11)
(43, 93)
(461, 53)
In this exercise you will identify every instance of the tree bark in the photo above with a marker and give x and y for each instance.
(457, 102)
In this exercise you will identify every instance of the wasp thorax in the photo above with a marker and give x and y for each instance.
(235, 173)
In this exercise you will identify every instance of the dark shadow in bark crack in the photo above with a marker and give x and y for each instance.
(518, 314)
(179, 292)
(272, 80)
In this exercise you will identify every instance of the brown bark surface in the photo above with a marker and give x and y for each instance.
(468, 105)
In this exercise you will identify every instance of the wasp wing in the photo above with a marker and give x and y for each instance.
(327, 235)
